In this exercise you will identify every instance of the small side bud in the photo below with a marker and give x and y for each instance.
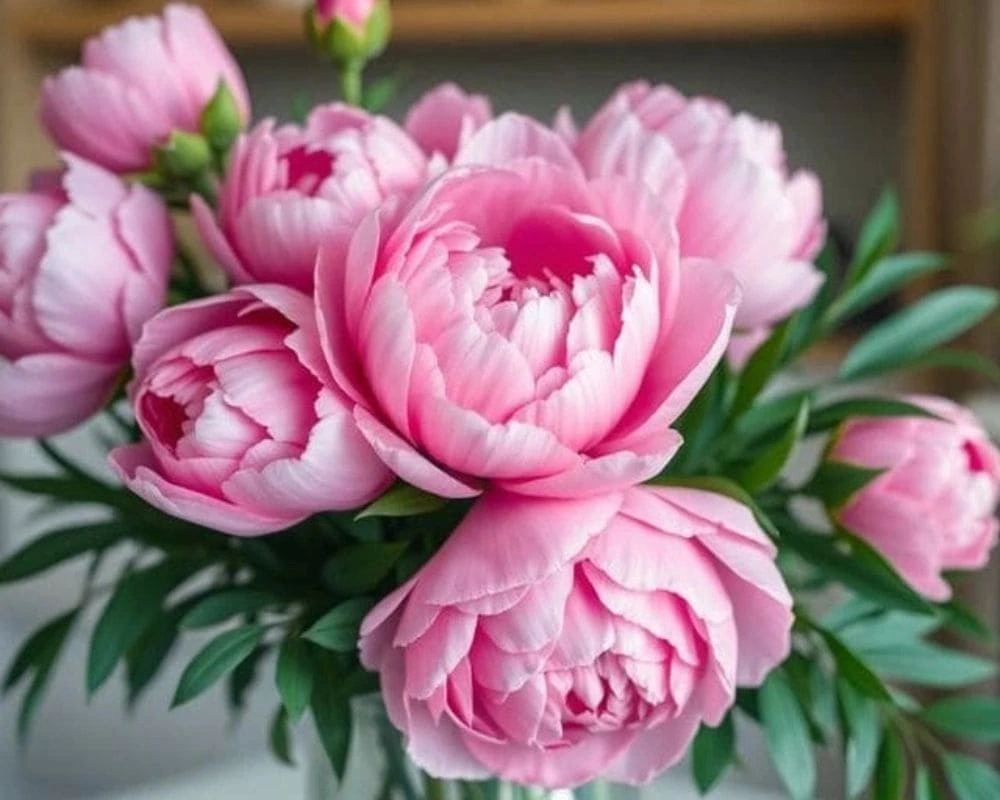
(185, 156)
(221, 121)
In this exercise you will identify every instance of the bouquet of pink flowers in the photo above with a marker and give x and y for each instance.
(481, 413)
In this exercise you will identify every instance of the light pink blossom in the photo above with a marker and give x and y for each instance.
(288, 190)
(739, 206)
(243, 434)
(84, 262)
(446, 118)
(138, 82)
(520, 324)
(933, 509)
(553, 642)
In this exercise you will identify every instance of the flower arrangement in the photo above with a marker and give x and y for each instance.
(481, 413)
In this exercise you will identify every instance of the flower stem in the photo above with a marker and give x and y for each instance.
(351, 82)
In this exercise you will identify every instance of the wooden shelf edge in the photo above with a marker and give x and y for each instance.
(456, 22)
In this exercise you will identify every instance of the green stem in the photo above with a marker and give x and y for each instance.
(351, 83)
(434, 788)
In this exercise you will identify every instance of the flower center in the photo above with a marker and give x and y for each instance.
(307, 169)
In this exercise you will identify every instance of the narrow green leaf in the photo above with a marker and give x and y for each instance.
(884, 277)
(712, 753)
(331, 712)
(218, 658)
(146, 657)
(890, 773)
(823, 419)
(834, 483)
(402, 500)
(927, 664)
(765, 469)
(38, 649)
(69, 489)
(133, 607)
(294, 677)
(959, 618)
(888, 629)
(839, 561)
(823, 708)
(362, 567)
(380, 92)
(787, 735)
(974, 718)
(863, 736)
(878, 237)
(853, 670)
(44, 659)
(223, 605)
(280, 738)
(953, 358)
(762, 420)
(701, 423)
(918, 329)
(242, 679)
(924, 788)
(971, 779)
(759, 369)
(54, 548)
(338, 630)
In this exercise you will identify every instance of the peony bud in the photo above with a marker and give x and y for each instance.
(222, 120)
(349, 32)
(186, 155)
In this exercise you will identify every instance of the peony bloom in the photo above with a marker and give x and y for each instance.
(554, 642)
(140, 81)
(739, 206)
(445, 118)
(353, 12)
(243, 435)
(289, 189)
(933, 507)
(84, 262)
(521, 324)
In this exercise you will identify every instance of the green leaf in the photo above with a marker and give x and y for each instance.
(218, 658)
(823, 708)
(924, 788)
(148, 655)
(38, 649)
(971, 779)
(762, 420)
(702, 421)
(294, 677)
(839, 561)
(712, 753)
(975, 718)
(887, 630)
(929, 664)
(362, 567)
(402, 500)
(338, 630)
(959, 618)
(823, 419)
(890, 773)
(759, 369)
(787, 735)
(223, 605)
(834, 483)
(853, 669)
(133, 607)
(863, 735)
(725, 487)
(953, 358)
(918, 329)
(885, 276)
(331, 712)
(379, 93)
(765, 469)
(878, 237)
(242, 679)
(280, 738)
(59, 546)
(69, 489)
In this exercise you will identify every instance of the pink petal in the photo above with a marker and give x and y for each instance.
(445, 118)
(512, 137)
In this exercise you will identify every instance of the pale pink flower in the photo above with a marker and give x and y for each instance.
(84, 262)
(353, 12)
(738, 204)
(243, 433)
(446, 118)
(520, 324)
(933, 509)
(289, 189)
(138, 82)
(554, 642)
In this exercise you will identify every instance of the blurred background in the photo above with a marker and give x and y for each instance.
(868, 92)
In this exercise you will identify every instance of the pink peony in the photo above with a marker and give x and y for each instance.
(353, 12)
(84, 262)
(289, 189)
(933, 507)
(553, 642)
(739, 206)
(521, 324)
(243, 435)
(446, 118)
(140, 81)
